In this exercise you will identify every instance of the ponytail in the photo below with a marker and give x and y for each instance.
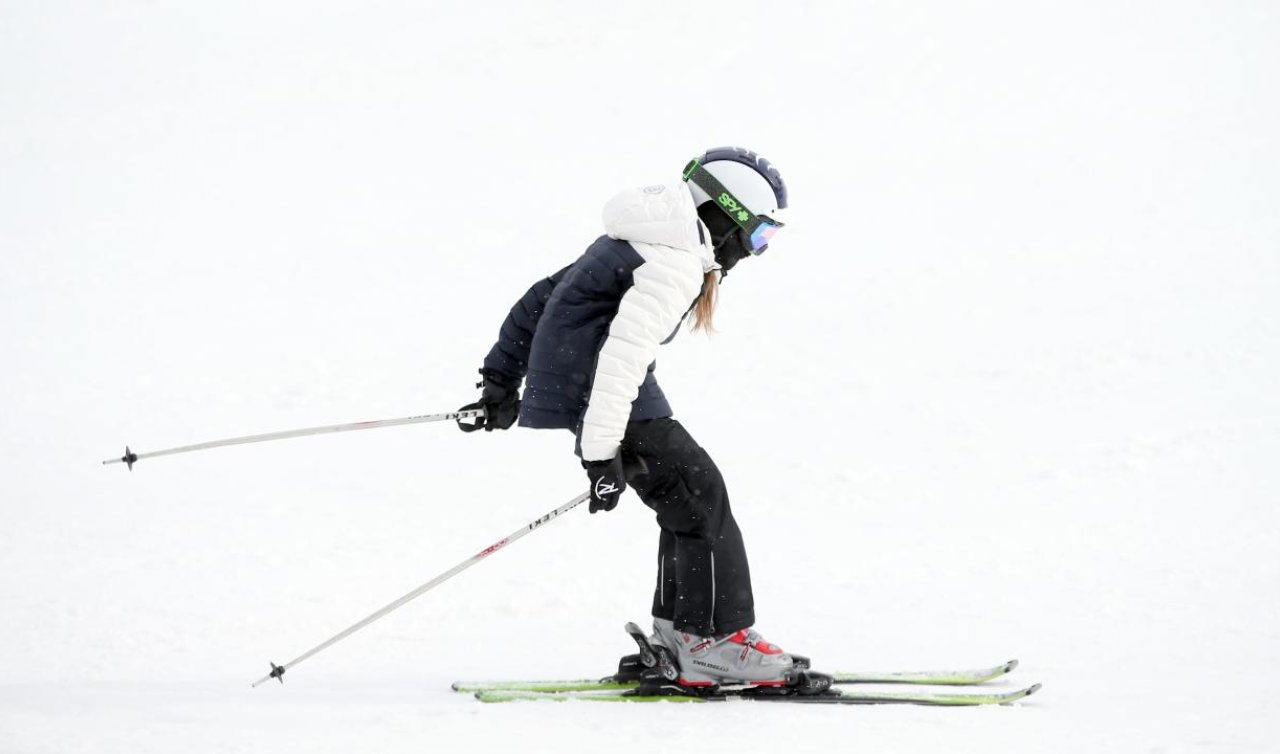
(704, 308)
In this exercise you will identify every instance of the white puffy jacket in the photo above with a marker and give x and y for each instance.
(661, 223)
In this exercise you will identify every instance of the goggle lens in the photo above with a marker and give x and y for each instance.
(761, 236)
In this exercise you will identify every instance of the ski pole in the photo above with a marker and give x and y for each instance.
(130, 458)
(277, 671)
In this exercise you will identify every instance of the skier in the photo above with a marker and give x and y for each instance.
(583, 341)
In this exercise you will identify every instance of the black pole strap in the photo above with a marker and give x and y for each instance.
(479, 422)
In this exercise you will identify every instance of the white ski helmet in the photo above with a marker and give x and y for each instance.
(744, 185)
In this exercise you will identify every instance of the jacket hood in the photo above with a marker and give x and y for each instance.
(662, 214)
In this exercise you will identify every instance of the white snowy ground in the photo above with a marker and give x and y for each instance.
(1005, 387)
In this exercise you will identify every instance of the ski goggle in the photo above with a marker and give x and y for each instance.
(758, 230)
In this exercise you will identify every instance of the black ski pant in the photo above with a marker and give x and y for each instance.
(704, 584)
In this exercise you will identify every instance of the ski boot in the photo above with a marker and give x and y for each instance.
(679, 663)
(631, 667)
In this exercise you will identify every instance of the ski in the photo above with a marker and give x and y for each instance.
(546, 687)
(931, 677)
(836, 695)
(612, 683)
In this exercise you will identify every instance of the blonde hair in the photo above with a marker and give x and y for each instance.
(704, 308)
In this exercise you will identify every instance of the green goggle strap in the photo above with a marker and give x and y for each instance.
(703, 179)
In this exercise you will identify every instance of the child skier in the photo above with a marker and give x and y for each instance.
(583, 341)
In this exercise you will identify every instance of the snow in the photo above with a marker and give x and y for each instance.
(1004, 387)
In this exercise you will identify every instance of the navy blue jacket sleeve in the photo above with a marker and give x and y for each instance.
(509, 356)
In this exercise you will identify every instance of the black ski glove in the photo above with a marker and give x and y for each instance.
(608, 480)
(500, 399)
